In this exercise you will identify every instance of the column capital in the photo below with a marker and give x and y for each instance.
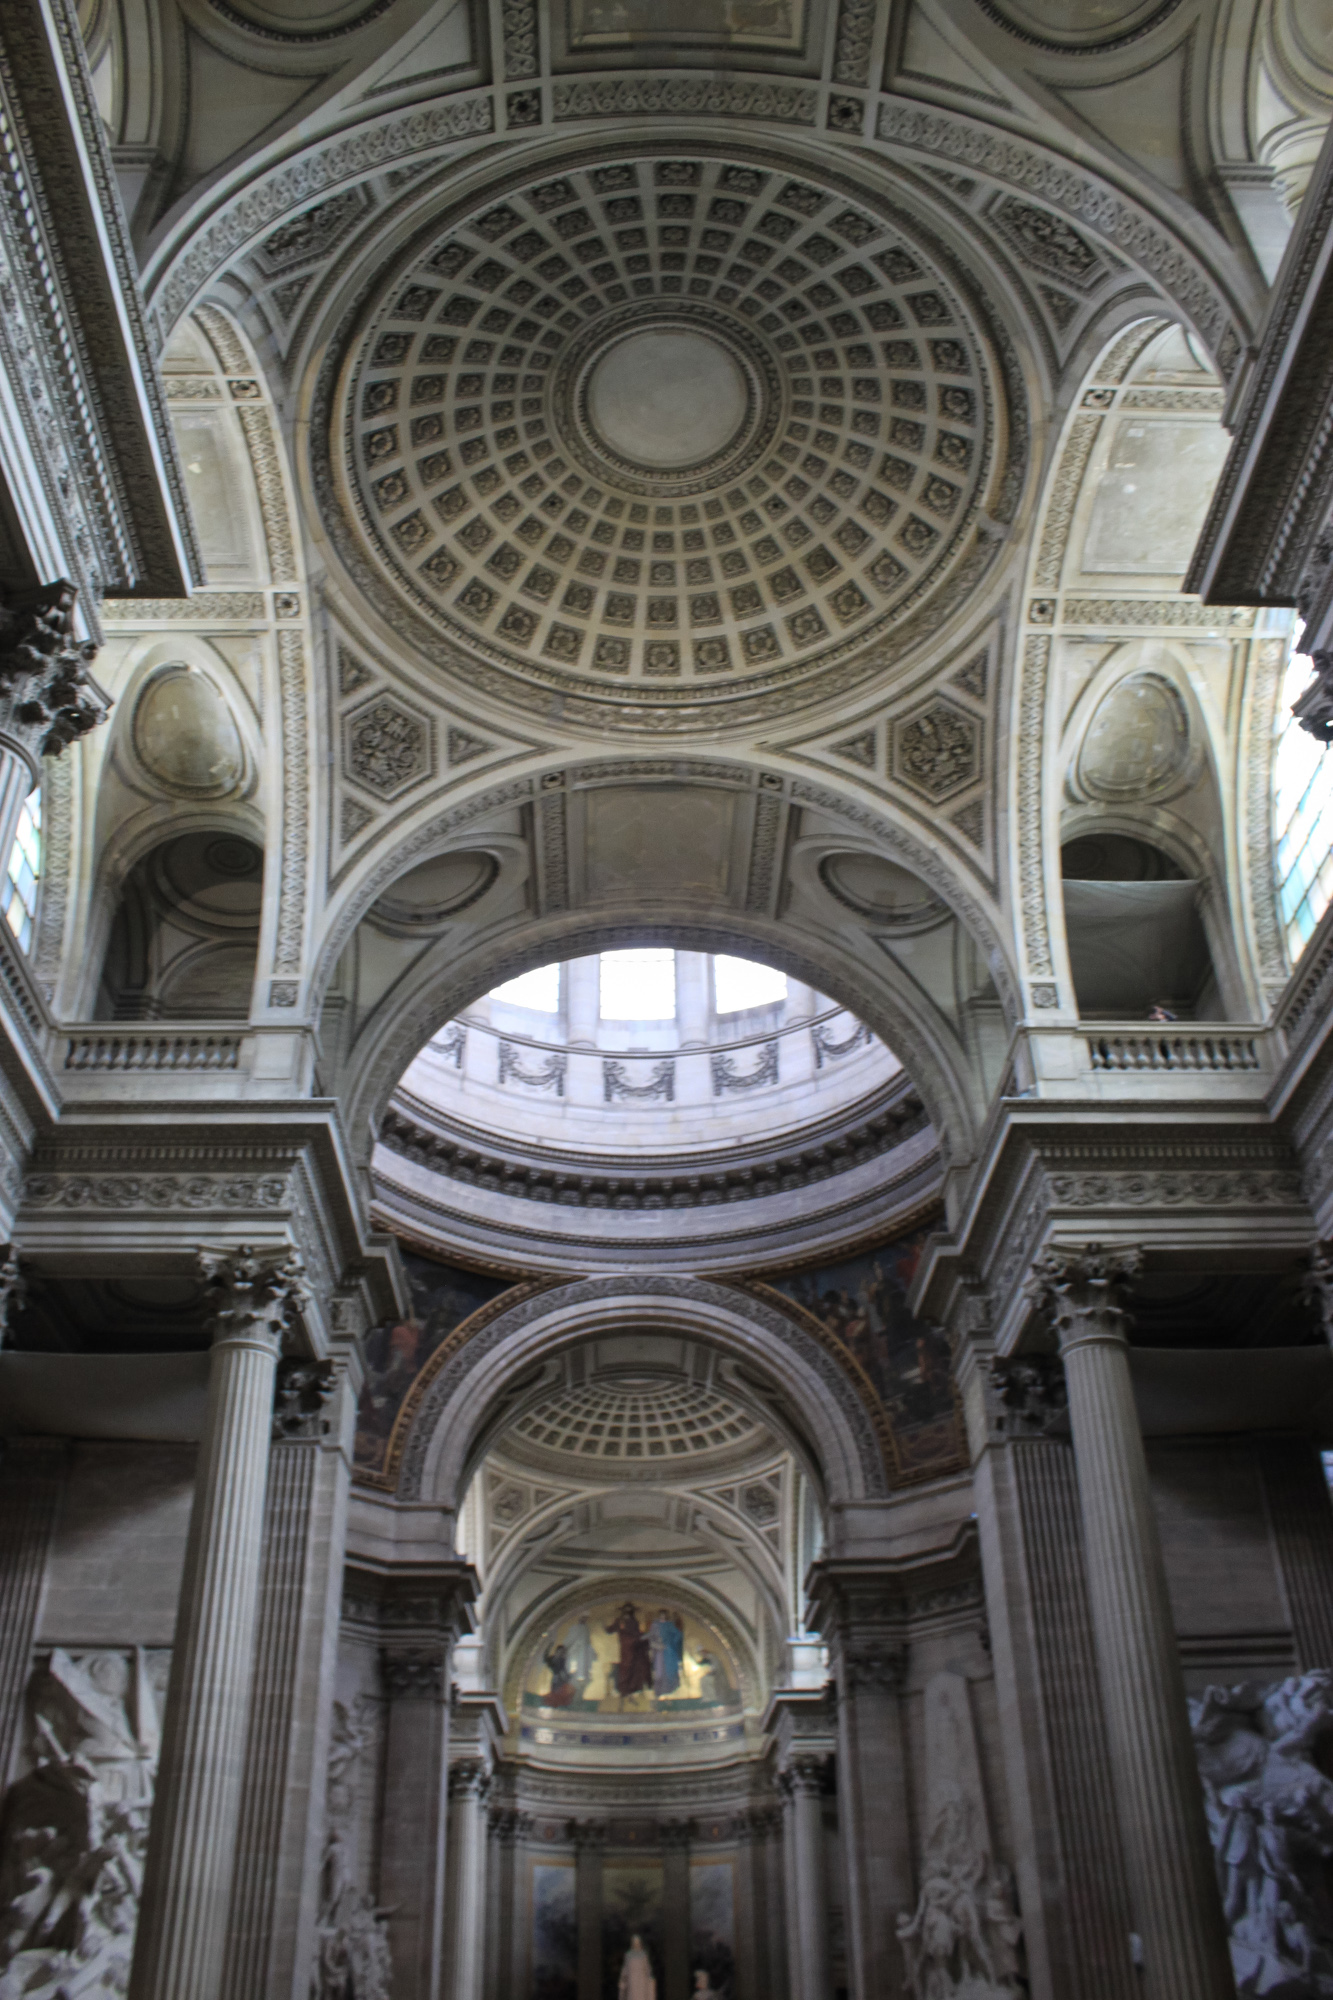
(587, 1832)
(805, 1775)
(47, 696)
(302, 1396)
(1031, 1396)
(1318, 1287)
(674, 1833)
(871, 1666)
(414, 1673)
(13, 1287)
(1082, 1291)
(260, 1293)
(469, 1778)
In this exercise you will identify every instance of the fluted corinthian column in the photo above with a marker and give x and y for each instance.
(1158, 1796)
(465, 1895)
(275, 1893)
(803, 1782)
(47, 695)
(192, 1842)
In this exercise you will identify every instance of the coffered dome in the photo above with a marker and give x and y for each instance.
(669, 431)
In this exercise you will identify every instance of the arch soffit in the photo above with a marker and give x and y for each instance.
(728, 1534)
(422, 1000)
(453, 1404)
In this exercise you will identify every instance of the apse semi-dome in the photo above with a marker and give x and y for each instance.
(659, 433)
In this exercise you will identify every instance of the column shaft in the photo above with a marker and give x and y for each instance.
(676, 1980)
(31, 1479)
(192, 1841)
(466, 1893)
(413, 1825)
(588, 1914)
(275, 1895)
(1158, 1794)
(1301, 1519)
(875, 1828)
(810, 1939)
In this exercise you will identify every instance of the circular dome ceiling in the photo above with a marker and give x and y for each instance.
(632, 1420)
(665, 432)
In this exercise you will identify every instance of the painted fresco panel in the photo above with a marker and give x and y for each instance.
(713, 1925)
(396, 1351)
(861, 1304)
(555, 1932)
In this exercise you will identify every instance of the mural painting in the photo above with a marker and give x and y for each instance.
(617, 1657)
(396, 1351)
(862, 1307)
(631, 1908)
(713, 1927)
(555, 1932)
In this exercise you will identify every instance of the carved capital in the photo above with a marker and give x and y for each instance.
(302, 1396)
(587, 1832)
(13, 1287)
(414, 1673)
(260, 1294)
(1083, 1291)
(1033, 1396)
(871, 1666)
(805, 1775)
(47, 698)
(674, 1833)
(1318, 1287)
(469, 1778)
(1314, 708)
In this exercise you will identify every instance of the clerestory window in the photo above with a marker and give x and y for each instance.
(24, 869)
(1302, 814)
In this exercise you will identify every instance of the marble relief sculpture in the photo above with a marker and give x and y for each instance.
(963, 1941)
(352, 1959)
(75, 1827)
(1270, 1815)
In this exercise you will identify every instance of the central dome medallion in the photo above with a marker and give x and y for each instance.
(666, 398)
(658, 433)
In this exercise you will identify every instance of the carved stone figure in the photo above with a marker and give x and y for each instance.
(75, 1829)
(636, 1973)
(352, 1959)
(963, 1941)
(1270, 1814)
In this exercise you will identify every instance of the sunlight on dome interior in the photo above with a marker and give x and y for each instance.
(638, 985)
(539, 990)
(738, 984)
(1302, 812)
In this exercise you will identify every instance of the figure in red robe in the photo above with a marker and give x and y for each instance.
(635, 1669)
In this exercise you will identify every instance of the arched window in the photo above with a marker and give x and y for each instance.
(1302, 814)
(24, 869)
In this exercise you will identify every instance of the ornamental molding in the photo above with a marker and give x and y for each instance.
(1034, 677)
(377, 144)
(296, 805)
(1096, 205)
(263, 1192)
(1263, 687)
(62, 239)
(653, 94)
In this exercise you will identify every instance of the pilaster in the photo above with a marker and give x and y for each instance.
(803, 1731)
(32, 1475)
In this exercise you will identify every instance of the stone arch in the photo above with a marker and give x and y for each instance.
(808, 1397)
(821, 948)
